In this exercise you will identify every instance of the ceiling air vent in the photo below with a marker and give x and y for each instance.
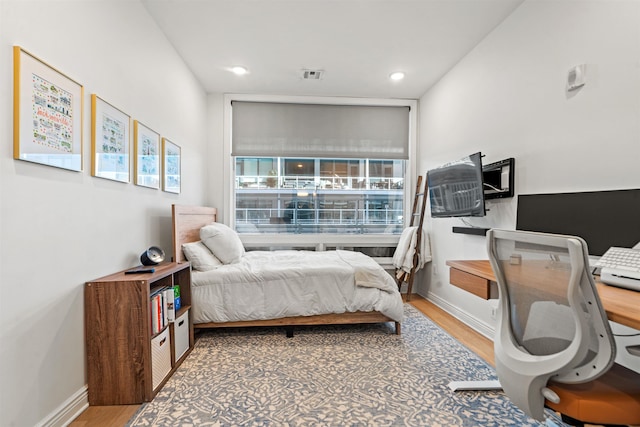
(312, 74)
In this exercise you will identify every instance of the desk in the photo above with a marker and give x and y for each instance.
(477, 277)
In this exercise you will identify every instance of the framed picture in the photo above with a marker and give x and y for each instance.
(47, 114)
(147, 156)
(170, 166)
(110, 141)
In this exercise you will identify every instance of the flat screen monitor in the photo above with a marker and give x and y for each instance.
(602, 218)
(456, 188)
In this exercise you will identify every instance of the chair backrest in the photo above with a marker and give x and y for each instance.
(551, 324)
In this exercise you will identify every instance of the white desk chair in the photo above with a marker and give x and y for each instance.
(553, 344)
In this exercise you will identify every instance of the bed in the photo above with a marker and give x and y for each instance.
(283, 288)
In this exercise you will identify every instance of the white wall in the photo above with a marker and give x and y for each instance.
(61, 228)
(507, 98)
(218, 166)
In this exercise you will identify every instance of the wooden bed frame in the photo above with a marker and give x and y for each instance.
(187, 221)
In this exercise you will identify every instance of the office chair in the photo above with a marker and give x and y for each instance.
(553, 342)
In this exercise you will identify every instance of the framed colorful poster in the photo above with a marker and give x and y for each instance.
(147, 156)
(110, 141)
(47, 114)
(170, 166)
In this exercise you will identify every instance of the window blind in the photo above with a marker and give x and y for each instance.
(267, 129)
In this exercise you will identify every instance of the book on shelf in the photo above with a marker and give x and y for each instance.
(157, 309)
(165, 316)
(163, 307)
(177, 301)
(154, 308)
(169, 298)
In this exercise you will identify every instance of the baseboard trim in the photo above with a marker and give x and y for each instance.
(68, 411)
(475, 324)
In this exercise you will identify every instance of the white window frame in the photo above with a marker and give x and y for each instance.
(319, 241)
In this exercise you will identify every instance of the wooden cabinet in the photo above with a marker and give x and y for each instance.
(126, 363)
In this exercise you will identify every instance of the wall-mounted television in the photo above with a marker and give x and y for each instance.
(499, 179)
(456, 188)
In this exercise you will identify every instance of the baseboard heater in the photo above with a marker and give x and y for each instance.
(477, 231)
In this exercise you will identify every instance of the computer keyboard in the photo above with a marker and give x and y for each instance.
(620, 267)
(620, 259)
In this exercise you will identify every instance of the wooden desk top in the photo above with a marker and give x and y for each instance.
(481, 268)
(622, 305)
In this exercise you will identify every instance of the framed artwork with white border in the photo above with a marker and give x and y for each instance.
(110, 141)
(48, 111)
(170, 166)
(147, 156)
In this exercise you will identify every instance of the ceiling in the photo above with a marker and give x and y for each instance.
(356, 43)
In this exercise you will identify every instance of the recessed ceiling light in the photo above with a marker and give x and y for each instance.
(398, 75)
(239, 71)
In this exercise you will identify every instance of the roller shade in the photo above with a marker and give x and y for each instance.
(265, 129)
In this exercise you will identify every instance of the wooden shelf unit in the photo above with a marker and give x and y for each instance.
(118, 333)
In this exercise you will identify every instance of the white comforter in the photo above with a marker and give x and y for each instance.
(271, 285)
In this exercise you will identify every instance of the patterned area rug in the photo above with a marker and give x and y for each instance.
(360, 375)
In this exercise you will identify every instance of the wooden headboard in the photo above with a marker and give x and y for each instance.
(187, 221)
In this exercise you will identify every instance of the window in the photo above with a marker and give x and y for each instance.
(255, 173)
(319, 195)
(300, 168)
(329, 167)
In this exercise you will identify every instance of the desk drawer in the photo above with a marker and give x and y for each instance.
(470, 283)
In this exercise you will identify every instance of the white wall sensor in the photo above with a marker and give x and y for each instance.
(576, 77)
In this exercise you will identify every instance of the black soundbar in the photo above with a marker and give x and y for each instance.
(477, 231)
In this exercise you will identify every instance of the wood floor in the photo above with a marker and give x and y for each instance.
(118, 416)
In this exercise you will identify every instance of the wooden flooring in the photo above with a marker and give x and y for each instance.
(118, 416)
(105, 416)
(476, 342)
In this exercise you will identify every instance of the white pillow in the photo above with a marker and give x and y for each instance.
(200, 256)
(223, 242)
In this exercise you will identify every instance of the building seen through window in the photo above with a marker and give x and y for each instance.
(301, 195)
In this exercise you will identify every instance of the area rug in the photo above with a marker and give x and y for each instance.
(348, 375)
